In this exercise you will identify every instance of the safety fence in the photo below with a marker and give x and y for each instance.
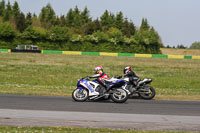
(103, 54)
(121, 54)
(5, 50)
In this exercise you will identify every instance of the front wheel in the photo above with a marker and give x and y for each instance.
(80, 96)
(147, 92)
(119, 96)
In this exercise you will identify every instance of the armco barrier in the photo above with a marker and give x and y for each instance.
(51, 52)
(195, 57)
(108, 54)
(25, 51)
(175, 56)
(126, 54)
(143, 55)
(5, 50)
(159, 56)
(103, 54)
(72, 52)
(187, 57)
(90, 53)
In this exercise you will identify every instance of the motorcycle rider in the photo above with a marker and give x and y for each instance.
(133, 78)
(101, 76)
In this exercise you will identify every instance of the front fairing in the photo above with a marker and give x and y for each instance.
(81, 81)
(85, 84)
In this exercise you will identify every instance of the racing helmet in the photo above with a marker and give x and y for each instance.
(127, 69)
(98, 69)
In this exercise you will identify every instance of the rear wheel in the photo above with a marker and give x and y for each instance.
(119, 96)
(147, 92)
(80, 96)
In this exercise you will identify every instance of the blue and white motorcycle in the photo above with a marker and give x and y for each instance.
(93, 90)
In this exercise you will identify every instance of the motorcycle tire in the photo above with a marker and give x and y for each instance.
(146, 96)
(119, 96)
(80, 97)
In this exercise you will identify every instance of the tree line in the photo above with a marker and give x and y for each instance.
(75, 31)
(194, 45)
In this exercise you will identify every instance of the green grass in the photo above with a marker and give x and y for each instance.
(73, 130)
(37, 74)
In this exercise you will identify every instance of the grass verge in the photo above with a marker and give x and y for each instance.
(171, 51)
(73, 130)
(56, 75)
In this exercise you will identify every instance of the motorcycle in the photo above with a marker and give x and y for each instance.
(142, 89)
(85, 87)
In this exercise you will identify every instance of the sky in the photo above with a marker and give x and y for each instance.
(176, 21)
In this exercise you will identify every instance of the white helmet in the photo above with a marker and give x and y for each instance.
(97, 69)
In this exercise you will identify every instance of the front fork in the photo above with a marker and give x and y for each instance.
(80, 90)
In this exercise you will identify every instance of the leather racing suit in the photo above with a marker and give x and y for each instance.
(133, 78)
(101, 77)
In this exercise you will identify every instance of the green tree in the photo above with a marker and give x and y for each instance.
(43, 15)
(47, 16)
(9, 7)
(7, 12)
(101, 36)
(107, 20)
(70, 18)
(29, 20)
(59, 34)
(15, 9)
(31, 33)
(88, 28)
(51, 12)
(115, 36)
(195, 45)
(34, 15)
(85, 16)
(6, 15)
(157, 40)
(144, 25)
(6, 31)
(77, 18)
(104, 18)
(137, 43)
(129, 28)
(91, 27)
(97, 25)
(119, 21)
(145, 41)
(62, 20)
(21, 22)
(181, 46)
(2, 7)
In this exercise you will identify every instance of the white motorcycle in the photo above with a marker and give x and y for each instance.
(142, 89)
(93, 90)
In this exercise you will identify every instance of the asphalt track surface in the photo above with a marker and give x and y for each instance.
(16, 110)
